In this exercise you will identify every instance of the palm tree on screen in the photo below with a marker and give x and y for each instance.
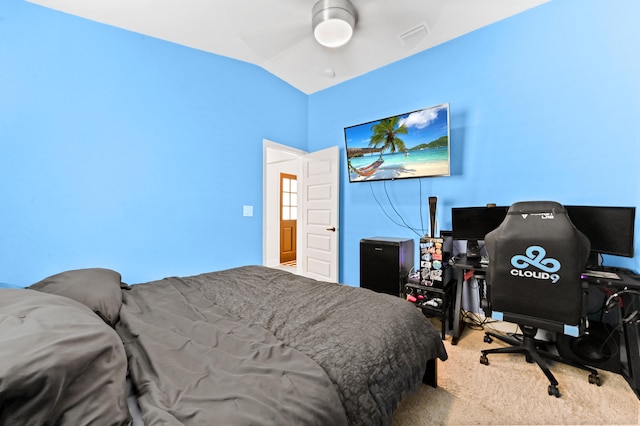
(385, 135)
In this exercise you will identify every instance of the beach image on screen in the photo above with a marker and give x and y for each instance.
(410, 145)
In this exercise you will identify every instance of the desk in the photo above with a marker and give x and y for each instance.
(628, 286)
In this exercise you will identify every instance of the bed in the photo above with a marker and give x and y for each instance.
(243, 346)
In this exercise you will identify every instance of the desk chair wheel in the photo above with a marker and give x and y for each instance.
(553, 391)
(487, 339)
(595, 379)
(484, 360)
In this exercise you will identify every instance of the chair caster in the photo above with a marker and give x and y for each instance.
(484, 360)
(487, 339)
(595, 379)
(553, 391)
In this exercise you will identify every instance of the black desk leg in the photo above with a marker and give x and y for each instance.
(457, 324)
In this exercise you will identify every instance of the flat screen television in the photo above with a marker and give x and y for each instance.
(410, 145)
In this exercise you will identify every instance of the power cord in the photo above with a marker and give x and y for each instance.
(474, 322)
(419, 232)
(389, 217)
(384, 184)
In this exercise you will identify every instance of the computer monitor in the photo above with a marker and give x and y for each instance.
(609, 229)
(473, 223)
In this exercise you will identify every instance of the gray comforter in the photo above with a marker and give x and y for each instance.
(194, 363)
(270, 347)
(60, 364)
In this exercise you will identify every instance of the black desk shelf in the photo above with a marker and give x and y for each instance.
(443, 310)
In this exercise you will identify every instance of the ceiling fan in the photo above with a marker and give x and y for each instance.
(272, 28)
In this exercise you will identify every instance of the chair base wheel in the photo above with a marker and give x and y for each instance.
(595, 379)
(534, 351)
(553, 391)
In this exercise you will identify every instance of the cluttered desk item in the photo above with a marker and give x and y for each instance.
(600, 274)
(612, 276)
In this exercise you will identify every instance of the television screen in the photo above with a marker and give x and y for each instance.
(410, 145)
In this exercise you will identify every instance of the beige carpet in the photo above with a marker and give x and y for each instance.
(510, 391)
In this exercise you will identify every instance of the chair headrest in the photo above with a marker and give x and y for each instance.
(536, 207)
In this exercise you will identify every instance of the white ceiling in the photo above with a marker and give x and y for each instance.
(277, 36)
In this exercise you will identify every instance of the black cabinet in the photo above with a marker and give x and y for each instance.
(385, 263)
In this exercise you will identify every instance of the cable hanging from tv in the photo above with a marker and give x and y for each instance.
(404, 224)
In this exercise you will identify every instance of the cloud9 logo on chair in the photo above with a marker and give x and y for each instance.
(535, 257)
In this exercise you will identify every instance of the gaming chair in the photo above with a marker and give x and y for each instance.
(536, 257)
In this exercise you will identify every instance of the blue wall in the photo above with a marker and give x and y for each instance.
(123, 151)
(544, 105)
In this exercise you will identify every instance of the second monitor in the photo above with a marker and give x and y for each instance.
(473, 223)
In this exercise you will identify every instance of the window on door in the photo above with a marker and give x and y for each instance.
(288, 217)
(289, 206)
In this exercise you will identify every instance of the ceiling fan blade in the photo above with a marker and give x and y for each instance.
(271, 27)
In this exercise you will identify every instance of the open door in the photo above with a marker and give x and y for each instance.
(317, 213)
(320, 234)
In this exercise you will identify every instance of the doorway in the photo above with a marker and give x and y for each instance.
(278, 160)
(288, 218)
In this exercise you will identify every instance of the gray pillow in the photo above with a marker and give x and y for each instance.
(97, 288)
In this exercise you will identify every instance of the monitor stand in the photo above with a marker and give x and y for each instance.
(473, 249)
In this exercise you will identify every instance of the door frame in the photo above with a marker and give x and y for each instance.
(274, 153)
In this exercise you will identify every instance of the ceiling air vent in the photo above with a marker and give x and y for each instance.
(414, 36)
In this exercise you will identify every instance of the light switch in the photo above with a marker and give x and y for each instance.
(247, 210)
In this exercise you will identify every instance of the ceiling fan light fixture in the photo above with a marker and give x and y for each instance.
(333, 22)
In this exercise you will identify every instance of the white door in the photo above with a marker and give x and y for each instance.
(319, 234)
(322, 261)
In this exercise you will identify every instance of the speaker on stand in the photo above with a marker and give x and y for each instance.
(433, 202)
